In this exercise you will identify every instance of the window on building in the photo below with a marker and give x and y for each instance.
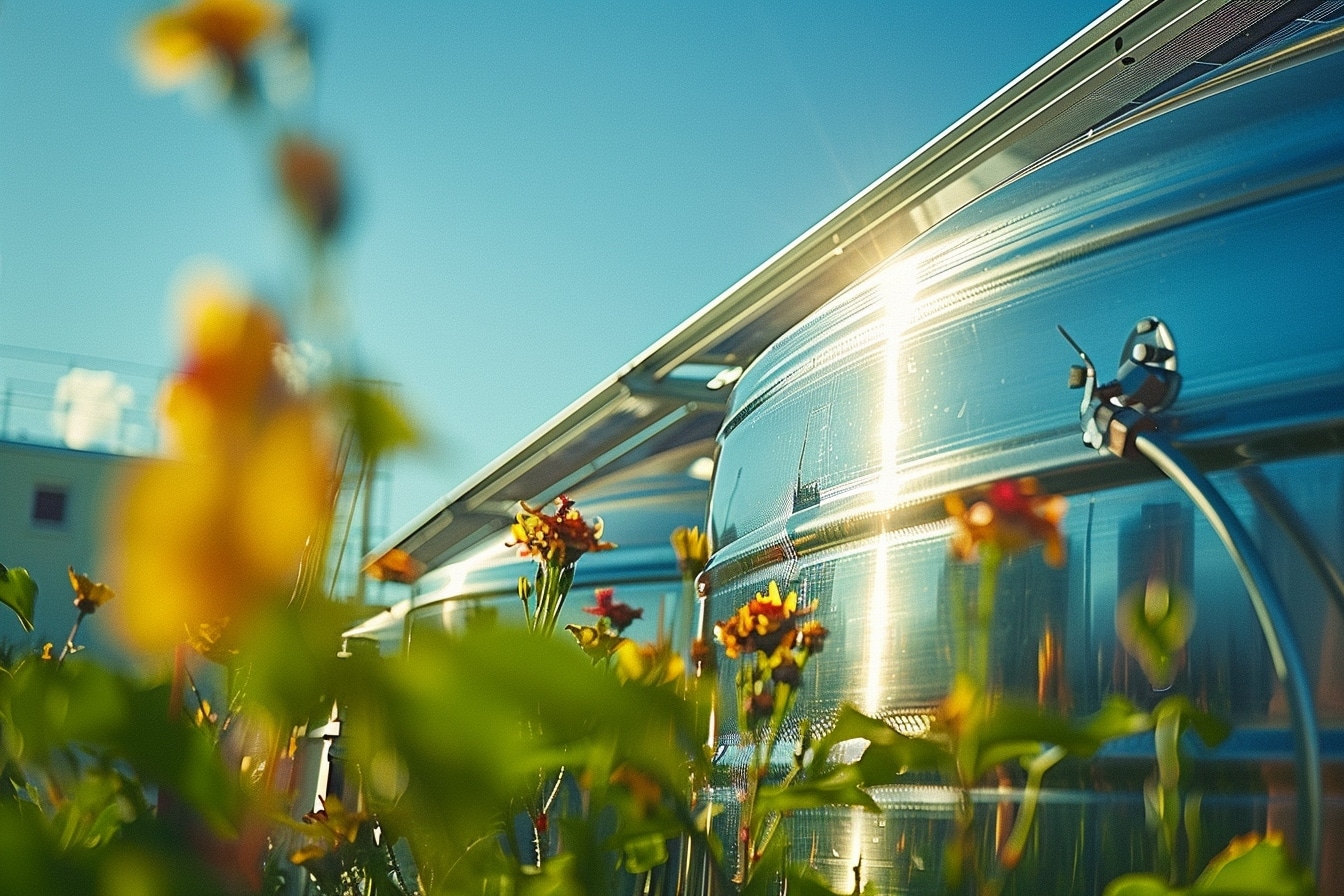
(49, 505)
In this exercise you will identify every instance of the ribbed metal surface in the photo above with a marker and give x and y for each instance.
(943, 371)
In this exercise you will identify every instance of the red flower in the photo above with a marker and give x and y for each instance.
(619, 614)
(1011, 516)
(560, 538)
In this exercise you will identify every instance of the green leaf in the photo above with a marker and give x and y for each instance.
(644, 853)
(1139, 885)
(1116, 718)
(379, 422)
(1153, 621)
(763, 878)
(1016, 731)
(889, 753)
(841, 786)
(1250, 866)
(1253, 866)
(18, 591)
(1211, 729)
(805, 881)
(81, 704)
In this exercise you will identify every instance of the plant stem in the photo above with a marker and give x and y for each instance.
(69, 647)
(1017, 839)
(984, 610)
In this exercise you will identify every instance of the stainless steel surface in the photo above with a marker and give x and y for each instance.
(1309, 545)
(1136, 52)
(1217, 210)
(940, 371)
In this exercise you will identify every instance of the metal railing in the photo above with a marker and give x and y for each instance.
(78, 401)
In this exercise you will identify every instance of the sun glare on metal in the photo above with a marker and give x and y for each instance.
(702, 468)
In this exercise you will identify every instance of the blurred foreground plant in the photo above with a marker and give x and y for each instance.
(216, 531)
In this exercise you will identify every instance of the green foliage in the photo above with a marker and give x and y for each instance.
(379, 422)
(81, 746)
(1254, 867)
(18, 591)
(55, 715)
(888, 755)
(1017, 731)
(146, 858)
(475, 721)
(1153, 621)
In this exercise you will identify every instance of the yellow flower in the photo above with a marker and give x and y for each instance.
(333, 826)
(692, 548)
(205, 716)
(955, 710)
(650, 664)
(812, 636)
(46, 651)
(89, 595)
(218, 530)
(598, 641)
(1011, 516)
(211, 640)
(178, 44)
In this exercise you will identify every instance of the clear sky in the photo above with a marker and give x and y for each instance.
(542, 189)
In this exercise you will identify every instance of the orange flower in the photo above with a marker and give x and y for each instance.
(1011, 516)
(560, 538)
(761, 624)
(178, 44)
(333, 825)
(396, 566)
(310, 178)
(221, 528)
(812, 636)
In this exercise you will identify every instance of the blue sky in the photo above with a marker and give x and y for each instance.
(541, 190)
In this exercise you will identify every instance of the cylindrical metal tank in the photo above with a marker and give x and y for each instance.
(1220, 211)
